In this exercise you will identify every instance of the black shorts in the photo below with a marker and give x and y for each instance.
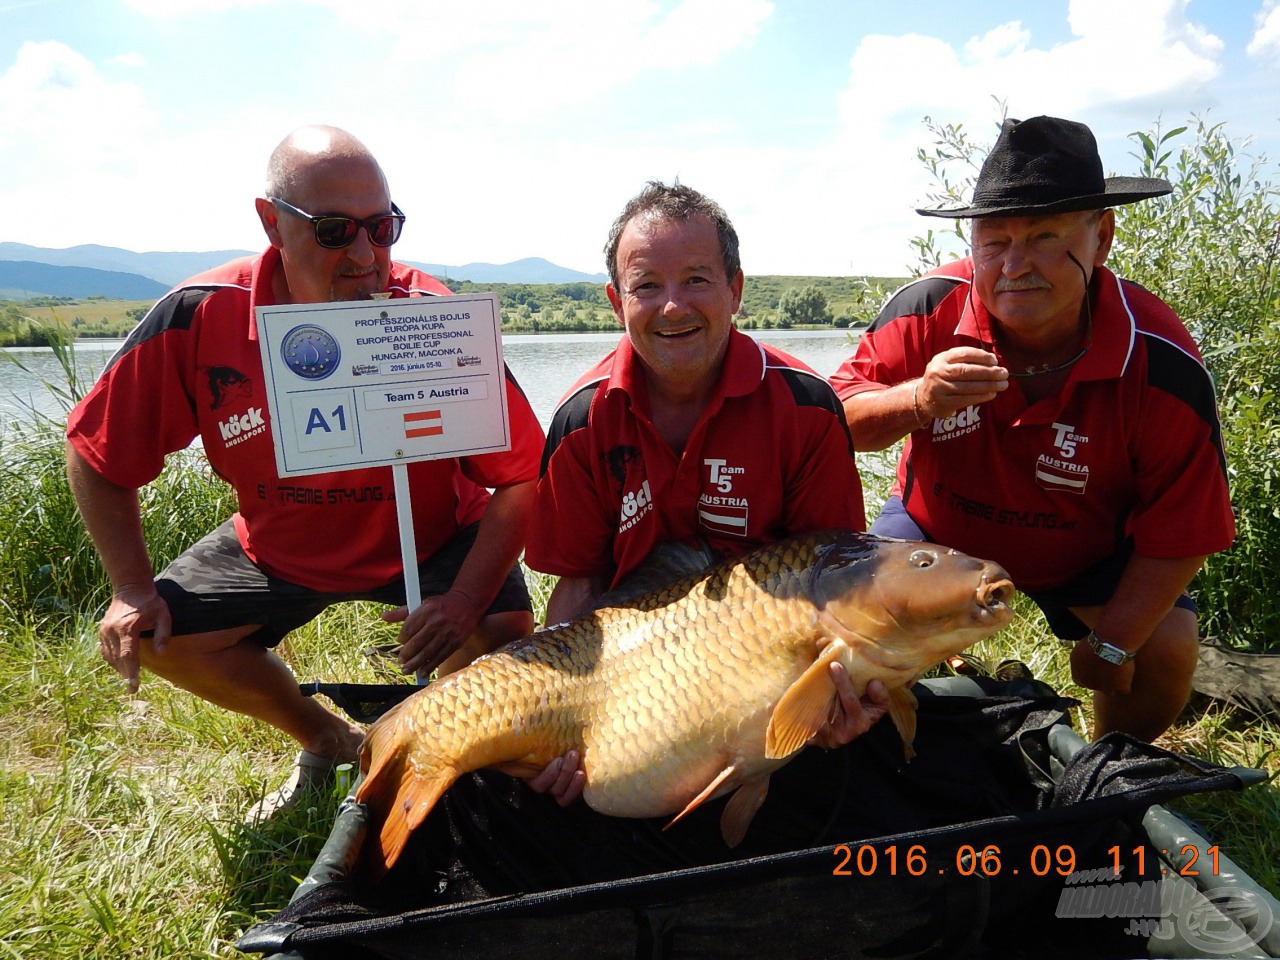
(215, 586)
(1092, 588)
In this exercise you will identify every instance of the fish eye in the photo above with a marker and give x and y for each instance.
(922, 558)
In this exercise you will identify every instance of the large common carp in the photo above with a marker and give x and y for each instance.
(691, 691)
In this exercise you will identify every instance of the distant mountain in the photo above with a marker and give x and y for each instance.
(171, 268)
(165, 268)
(528, 270)
(43, 279)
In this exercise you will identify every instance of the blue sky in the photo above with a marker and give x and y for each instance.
(518, 128)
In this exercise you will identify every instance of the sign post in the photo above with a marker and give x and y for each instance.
(408, 542)
(384, 383)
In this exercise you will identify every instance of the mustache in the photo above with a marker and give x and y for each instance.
(1021, 283)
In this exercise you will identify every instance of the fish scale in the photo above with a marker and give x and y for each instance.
(692, 691)
(637, 775)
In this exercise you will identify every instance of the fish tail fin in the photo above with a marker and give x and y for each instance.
(398, 794)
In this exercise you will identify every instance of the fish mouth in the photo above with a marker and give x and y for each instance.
(995, 596)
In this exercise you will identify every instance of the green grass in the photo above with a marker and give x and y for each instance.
(29, 322)
(123, 837)
(97, 316)
(122, 834)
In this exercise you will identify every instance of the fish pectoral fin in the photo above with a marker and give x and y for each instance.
(805, 708)
(520, 768)
(706, 794)
(902, 711)
(740, 810)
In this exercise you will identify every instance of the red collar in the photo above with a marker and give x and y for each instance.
(1114, 328)
(740, 374)
(260, 292)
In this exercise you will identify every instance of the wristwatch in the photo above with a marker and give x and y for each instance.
(1108, 651)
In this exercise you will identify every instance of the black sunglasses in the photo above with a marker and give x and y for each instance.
(334, 233)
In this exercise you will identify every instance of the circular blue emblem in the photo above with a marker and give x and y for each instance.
(310, 352)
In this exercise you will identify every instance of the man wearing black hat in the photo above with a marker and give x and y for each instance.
(1059, 420)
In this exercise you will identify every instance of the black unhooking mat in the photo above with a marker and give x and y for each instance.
(1241, 677)
(964, 851)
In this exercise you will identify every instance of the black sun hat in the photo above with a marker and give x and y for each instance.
(1047, 165)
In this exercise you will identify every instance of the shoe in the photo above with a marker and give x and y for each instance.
(967, 665)
(382, 651)
(1013, 670)
(311, 774)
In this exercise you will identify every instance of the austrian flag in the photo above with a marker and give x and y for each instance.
(1055, 477)
(722, 519)
(423, 423)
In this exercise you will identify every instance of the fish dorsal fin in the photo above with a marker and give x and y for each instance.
(902, 710)
(805, 708)
(706, 794)
(667, 563)
(741, 808)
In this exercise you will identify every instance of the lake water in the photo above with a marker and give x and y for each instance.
(545, 364)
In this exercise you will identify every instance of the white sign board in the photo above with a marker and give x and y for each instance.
(383, 382)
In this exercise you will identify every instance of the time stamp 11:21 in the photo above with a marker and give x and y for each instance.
(991, 861)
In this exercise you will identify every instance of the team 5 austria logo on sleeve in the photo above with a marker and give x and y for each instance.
(310, 352)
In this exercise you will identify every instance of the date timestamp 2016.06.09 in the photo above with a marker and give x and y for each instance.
(990, 861)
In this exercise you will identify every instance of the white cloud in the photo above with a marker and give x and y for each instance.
(1266, 36)
(518, 61)
(171, 9)
(515, 128)
(128, 60)
(1127, 39)
(449, 154)
(55, 107)
(86, 160)
(573, 54)
(513, 153)
(1107, 64)
(559, 201)
(1102, 76)
(709, 28)
(1004, 40)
